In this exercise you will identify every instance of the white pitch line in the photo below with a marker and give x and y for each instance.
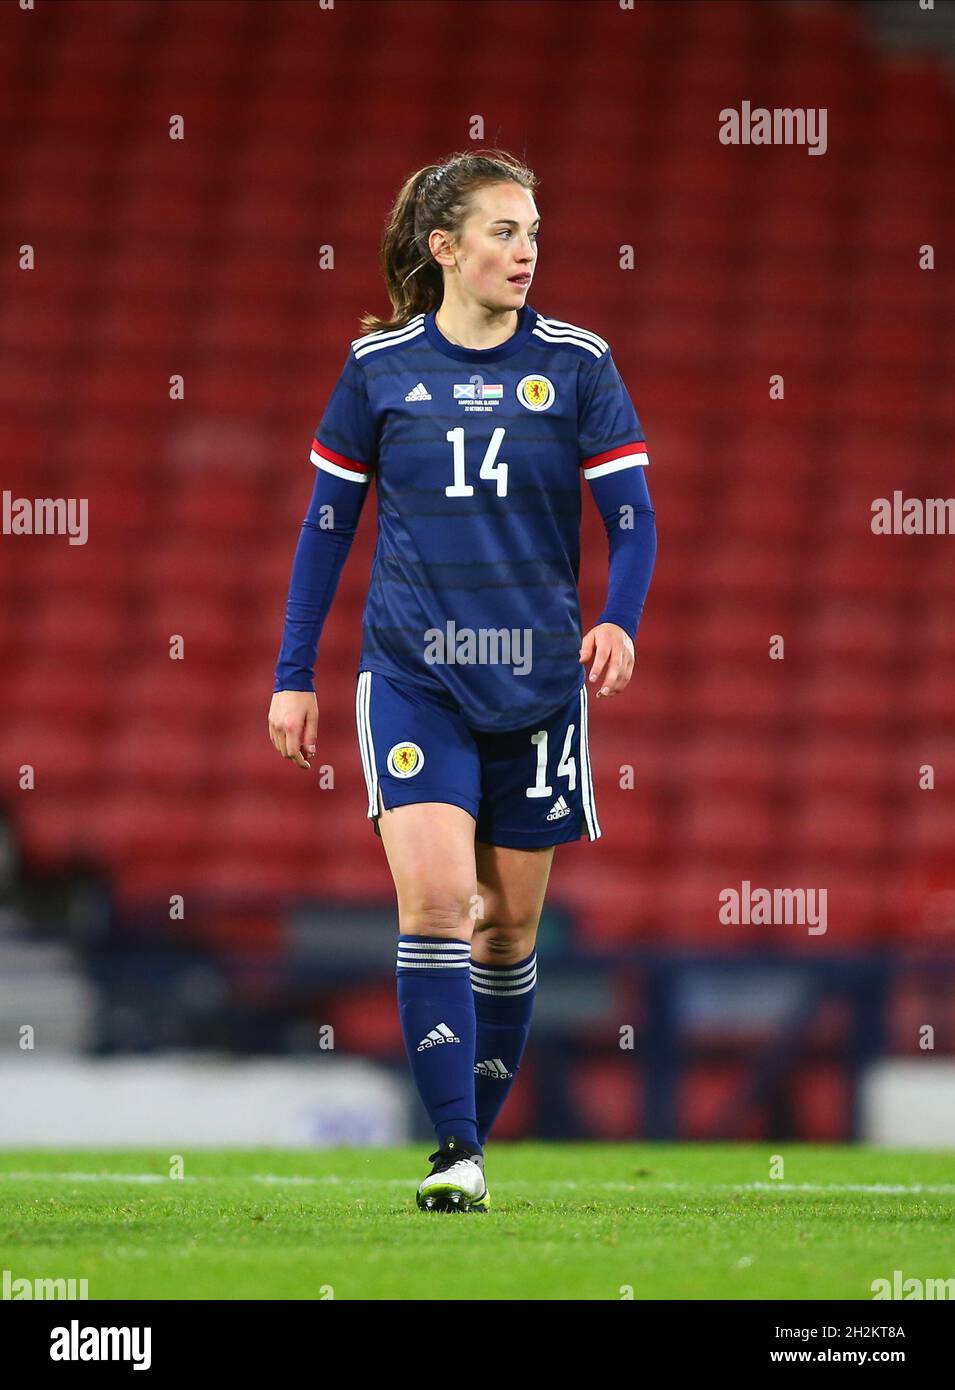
(879, 1188)
(560, 1184)
(88, 1177)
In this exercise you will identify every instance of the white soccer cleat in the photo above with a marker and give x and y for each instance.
(456, 1182)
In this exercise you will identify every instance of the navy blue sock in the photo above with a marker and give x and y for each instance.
(436, 1008)
(503, 1005)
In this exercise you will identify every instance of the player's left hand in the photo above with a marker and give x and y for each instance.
(612, 649)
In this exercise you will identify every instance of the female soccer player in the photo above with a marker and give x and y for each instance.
(476, 416)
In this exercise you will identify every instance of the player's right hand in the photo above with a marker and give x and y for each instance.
(293, 724)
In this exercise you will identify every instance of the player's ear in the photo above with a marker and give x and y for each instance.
(441, 245)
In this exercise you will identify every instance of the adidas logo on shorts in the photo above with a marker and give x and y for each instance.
(559, 809)
(493, 1066)
(418, 393)
(437, 1036)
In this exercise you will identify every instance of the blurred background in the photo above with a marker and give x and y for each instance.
(196, 938)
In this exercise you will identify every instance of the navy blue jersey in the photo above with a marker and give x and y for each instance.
(477, 455)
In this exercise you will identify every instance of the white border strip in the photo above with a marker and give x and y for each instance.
(365, 744)
(326, 464)
(614, 465)
(586, 773)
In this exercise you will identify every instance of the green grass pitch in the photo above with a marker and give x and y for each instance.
(567, 1221)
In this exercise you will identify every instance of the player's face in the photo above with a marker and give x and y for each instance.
(498, 249)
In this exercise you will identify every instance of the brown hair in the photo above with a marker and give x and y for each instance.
(436, 196)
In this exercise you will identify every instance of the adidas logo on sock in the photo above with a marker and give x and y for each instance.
(493, 1066)
(441, 1034)
(418, 393)
(559, 809)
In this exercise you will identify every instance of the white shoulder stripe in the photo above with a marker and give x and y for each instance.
(574, 328)
(549, 336)
(405, 336)
(371, 342)
(386, 332)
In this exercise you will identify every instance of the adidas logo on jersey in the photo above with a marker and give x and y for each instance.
(559, 809)
(418, 393)
(493, 1066)
(437, 1036)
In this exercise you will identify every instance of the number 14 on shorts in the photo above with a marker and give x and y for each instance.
(566, 767)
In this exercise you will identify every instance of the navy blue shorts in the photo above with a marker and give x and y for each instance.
(526, 788)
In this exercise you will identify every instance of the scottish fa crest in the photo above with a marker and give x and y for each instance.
(405, 759)
(536, 392)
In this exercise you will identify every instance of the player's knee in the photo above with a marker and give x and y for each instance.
(507, 943)
(437, 915)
